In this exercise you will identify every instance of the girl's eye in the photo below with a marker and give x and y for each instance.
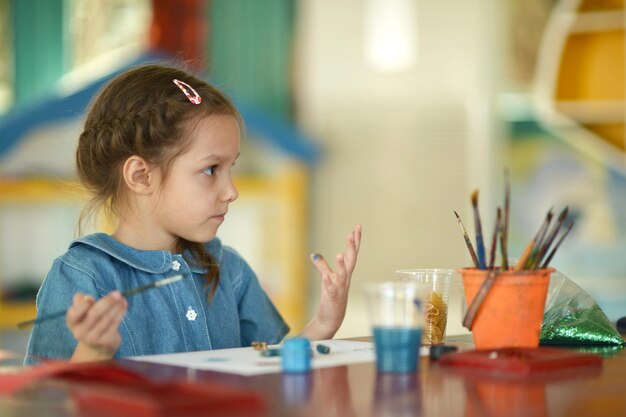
(210, 170)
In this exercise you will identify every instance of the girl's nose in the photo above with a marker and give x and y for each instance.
(230, 192)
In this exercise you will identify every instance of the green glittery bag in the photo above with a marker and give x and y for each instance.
(572, 317)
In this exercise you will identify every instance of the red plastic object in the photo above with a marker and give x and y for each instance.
(106, 389)
(521, 361)
(173, 399)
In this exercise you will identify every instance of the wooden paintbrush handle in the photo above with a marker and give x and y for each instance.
(470, 315)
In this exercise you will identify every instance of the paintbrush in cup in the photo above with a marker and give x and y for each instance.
(480, 246)
(539, 240)
(504, 233)
(558, 243)
(468, 242)
(536, 261)
(494, 241)
(527, 251)
(481, 294)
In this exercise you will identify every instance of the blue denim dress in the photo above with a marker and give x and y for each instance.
(173, 318)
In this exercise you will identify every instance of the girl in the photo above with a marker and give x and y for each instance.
(157, 151)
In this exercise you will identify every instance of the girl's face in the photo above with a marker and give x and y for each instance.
(194, 197)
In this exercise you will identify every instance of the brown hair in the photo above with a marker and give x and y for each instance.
(142, 112)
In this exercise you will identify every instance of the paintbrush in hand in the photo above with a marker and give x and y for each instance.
(480, 246)
(127, 293)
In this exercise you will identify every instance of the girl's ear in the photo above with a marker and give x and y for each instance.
(139, 175)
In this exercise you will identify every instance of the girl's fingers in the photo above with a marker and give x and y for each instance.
(104, 336)
(344, 263)
(320, 264)
(357, 236)
(331, 288)
(98, 314)
(81, 303)
(340, 265)
(352, 247)
(107, 325)
(102, 306)
(351, 252)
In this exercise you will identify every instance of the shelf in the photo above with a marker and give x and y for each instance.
(578, 93)
(13, 312)
(595, 21)
(592, 111)
(39, 190)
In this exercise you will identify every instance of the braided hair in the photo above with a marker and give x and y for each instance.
(143, 112)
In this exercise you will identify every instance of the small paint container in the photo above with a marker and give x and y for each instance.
(270, 352)
(323, 349)
(296, 355)
(437, 351)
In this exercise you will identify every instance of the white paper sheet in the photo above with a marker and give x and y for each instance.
(247, 361)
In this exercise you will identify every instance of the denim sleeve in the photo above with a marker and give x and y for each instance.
(52, 339)
(258, 318)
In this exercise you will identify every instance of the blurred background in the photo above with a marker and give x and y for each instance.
(388, 113)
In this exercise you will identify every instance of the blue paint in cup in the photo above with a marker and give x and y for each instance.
(397, 348)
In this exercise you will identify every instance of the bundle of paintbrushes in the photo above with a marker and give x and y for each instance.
(537, 254)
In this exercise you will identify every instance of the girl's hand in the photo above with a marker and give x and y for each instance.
(95, 324)
(335, 286)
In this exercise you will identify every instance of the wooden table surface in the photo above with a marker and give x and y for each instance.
(358, 390)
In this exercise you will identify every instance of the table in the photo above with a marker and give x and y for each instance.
(358, 390)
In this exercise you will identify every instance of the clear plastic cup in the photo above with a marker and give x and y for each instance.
(395, 314)
(434, 288)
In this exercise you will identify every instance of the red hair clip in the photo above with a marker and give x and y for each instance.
(195, 99)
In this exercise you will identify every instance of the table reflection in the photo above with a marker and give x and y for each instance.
(505, 398)
(397, 395)
(297, 388)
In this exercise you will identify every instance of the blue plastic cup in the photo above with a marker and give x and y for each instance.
(397, 321)
(397, 348)
(296, 355)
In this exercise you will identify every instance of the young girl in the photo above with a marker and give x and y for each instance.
(157, 151)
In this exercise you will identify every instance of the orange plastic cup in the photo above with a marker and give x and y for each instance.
(512, 312)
